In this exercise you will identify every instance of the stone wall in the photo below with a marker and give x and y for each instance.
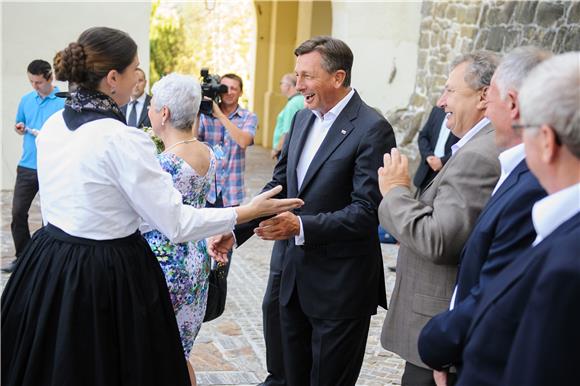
(449, 29)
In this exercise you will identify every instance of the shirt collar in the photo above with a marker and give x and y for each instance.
(52, 95)
(235, 112)
(511, 158)
(552, 211)
(470, 134)
(337, 109)
(294, 96)
(141, 99)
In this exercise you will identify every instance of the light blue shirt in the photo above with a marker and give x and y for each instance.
(439, 151)
(33, 111)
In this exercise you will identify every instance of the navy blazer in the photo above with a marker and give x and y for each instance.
(143, 120)
(503, 230)
(506, 303)
(338, 272)
(546, 348)
(427, 141)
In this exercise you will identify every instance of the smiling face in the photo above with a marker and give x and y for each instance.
(321, 90)
(234, 93)
(464, 105)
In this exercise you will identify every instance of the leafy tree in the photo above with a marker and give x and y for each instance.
(166, 39)
(186, 37)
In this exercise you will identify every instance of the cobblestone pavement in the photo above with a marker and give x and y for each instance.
(230, 350)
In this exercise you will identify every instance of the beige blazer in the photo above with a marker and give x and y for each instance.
(432, 231)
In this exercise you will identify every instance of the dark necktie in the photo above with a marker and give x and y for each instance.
(132, 121)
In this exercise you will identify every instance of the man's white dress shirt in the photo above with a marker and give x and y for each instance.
(554, 210)
(318, 131)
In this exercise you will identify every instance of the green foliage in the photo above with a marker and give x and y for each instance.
(166, 38)
(159, 146)
(186, 37)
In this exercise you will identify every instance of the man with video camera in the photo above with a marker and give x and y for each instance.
(229, 129)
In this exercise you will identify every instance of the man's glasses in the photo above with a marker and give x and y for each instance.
(517, 126)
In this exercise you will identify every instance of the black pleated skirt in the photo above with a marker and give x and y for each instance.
(79, 312)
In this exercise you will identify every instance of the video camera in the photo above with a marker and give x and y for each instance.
(211, 88)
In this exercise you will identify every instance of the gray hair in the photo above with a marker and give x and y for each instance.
(290, 77)
(516, 65)
(550, 95)
(181, 94)
(480, 69)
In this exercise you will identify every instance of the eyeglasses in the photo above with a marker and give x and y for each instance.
(517, 126)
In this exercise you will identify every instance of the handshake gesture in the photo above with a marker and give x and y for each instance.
(282, 226)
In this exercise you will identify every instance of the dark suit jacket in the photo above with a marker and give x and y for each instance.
(427, 142)
(143, 120)
(546, 348)
(338, 272)
(505, 304)
(503, 230)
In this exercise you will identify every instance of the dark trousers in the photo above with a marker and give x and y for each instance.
(272, 332)
(321, 352)
(419, 376)
(24, 191)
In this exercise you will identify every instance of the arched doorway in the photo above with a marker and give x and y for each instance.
(254, 39)
(281, 26)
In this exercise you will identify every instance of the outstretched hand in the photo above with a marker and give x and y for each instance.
(266, 205)
(394, 172)
(219, 246)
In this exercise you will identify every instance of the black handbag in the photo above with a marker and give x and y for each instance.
(217, 291)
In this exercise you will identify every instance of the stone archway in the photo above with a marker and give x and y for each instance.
(281, 26)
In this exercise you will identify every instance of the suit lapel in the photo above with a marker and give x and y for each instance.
(484, 130)
(506, 280)
(295, 150)
(516, 270)
(144, 111)
(338, 132)
(506, 186)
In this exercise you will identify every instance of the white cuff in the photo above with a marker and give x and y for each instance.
(299, 240)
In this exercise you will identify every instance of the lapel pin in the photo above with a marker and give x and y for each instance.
(343, 132)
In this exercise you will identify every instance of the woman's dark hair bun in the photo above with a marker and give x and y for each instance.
(70, 64)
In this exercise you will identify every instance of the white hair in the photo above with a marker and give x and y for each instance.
(181, 94)
(550, 95)
(516, 65)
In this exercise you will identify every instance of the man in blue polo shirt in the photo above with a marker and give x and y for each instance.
(33, 110)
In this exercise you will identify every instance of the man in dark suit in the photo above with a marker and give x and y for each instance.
(524, 330)
(326, 274)
(136, 110)
(435, 141)
(504, 228)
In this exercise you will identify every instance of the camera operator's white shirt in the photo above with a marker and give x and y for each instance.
(100, 180)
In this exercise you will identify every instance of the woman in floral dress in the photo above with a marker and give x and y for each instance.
(192, 166)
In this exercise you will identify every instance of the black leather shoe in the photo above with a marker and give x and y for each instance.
(10, 267)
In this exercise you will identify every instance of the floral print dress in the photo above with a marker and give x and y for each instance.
(186, 265)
